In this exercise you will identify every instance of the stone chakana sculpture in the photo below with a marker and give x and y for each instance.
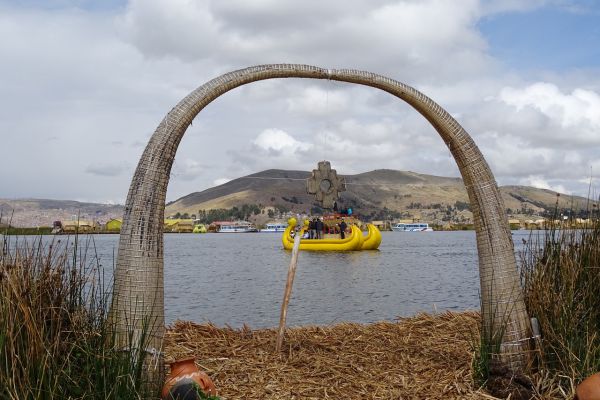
(325, 184)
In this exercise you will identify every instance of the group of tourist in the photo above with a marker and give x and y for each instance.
(345, 211)
(316, 227)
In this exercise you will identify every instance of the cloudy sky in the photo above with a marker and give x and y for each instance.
(83, 85)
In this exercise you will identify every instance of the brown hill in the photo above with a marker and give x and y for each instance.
(376, 194)
(42, 212)
(379, 194)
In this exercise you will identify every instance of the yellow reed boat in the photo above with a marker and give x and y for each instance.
(354, 241)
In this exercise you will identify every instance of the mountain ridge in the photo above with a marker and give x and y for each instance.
(377, 194)
(368, 193)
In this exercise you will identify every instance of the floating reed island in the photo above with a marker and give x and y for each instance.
(425, 356)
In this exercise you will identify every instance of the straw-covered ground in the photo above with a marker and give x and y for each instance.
(426, 356)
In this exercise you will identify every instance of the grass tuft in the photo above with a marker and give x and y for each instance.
(560, 274)
(55, 338)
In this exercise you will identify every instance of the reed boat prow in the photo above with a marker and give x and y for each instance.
(373, 238)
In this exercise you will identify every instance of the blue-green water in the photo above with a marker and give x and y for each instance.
(240, 278)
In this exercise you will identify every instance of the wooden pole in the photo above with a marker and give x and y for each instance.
(288, 291)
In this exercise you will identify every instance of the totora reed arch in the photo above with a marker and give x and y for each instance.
(138, 296)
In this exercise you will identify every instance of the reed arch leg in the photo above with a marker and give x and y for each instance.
(138, 296)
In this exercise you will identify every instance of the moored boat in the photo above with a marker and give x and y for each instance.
(235, 227)
(412, 227)
(274, 227)
(200, 228)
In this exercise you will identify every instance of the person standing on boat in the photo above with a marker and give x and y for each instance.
(343, 227)
(319, 227)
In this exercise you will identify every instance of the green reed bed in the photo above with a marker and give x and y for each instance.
(55, 341)
(560, 273)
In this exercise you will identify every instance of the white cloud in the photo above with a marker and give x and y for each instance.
(221, 181)
(535, 129)
(187, 170)
(278, 142)
(106, 169)
(384, 35)
(577, 113)
(317, 101)
(541, 183)
(98, 84)
(375, 132)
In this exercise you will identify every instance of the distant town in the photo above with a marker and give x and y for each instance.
(108, 218)
(382, 197)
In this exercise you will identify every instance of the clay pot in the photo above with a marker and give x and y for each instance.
(589, 389)
(184, 377)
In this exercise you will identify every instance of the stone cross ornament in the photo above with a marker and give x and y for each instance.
(325, 184)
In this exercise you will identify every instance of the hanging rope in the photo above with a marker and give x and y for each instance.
(323, 136)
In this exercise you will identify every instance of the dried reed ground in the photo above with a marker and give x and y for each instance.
(426, 356)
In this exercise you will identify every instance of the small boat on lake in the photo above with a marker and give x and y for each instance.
(200, 228)
(274, 227)
(355, 240)
(235, 227)
(413, 227)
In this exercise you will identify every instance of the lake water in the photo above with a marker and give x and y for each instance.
(240, 278)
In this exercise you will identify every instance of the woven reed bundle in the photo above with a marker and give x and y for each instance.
(421, 357)
(139, 289)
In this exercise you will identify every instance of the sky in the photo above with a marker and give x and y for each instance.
(84, 84)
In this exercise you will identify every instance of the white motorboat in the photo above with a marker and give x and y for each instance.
(413, 227)
(274, 227)
(236, 227)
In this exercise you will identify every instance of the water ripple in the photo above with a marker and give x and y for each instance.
(239, 278)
